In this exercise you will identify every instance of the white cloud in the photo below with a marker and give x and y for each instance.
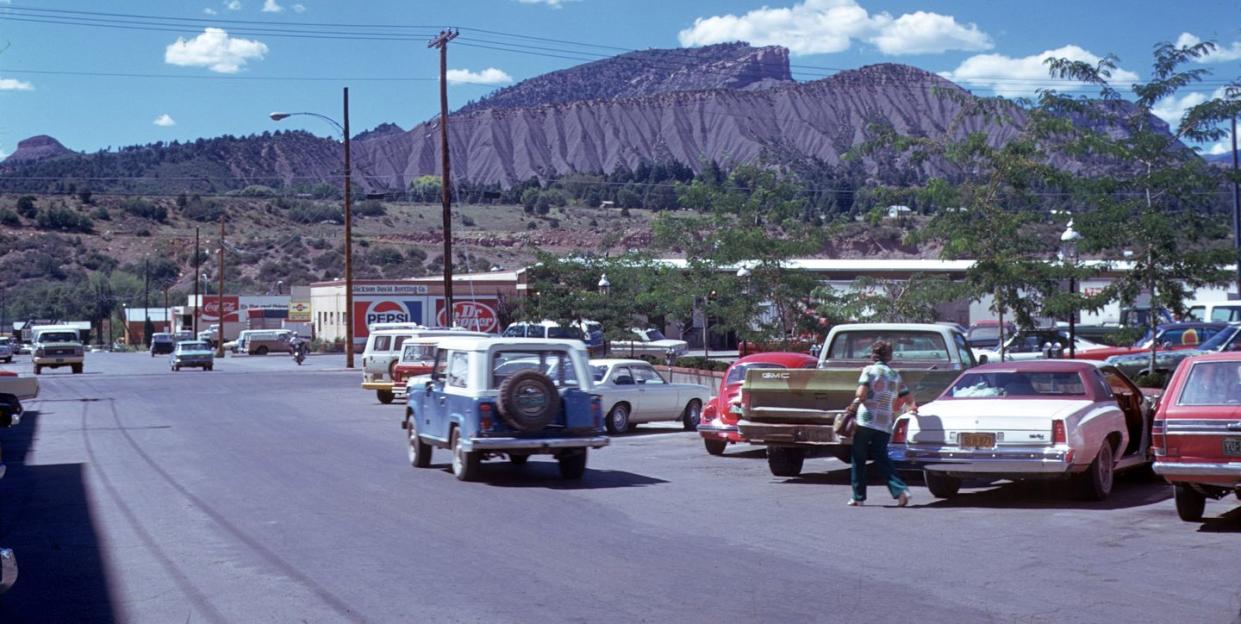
(489, 76)
(1222, 54)
(3, 154)
(555, 4)
(210, 11)
(828, 26)
(13, 84)
(215, 50)
(233, 5)
(165, 121)
(270, 6)
(299, 8)
(1021, 76)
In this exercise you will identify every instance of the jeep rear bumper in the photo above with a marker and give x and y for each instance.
(532, 445)
(377, 385)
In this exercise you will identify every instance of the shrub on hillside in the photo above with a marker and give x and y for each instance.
(26, 207)
(101, 214)
(143, 209)
(309, 212)
(370, 208)
(63, 219)
(198, 210)
(255, 190)
(9, 218)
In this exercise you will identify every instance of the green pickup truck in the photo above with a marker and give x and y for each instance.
(792, 411)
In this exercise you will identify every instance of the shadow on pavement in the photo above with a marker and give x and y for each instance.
(1229, 522)
(1126, 493)
(750, 454)
(45, 518)
(546, 474)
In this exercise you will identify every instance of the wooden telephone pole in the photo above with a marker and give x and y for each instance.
(441, 42)
(198, 301)
(219, 337)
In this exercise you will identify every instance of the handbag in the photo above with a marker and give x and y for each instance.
(846, 421)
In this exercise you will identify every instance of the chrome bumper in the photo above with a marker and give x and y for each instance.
(768, 433)
(710, 428)
(8, 569)
(1015, 461)
(531, 444)
(1213, 469)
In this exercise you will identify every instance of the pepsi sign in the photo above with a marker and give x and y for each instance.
(368, 313)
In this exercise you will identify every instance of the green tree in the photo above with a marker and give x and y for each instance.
(1155, 200)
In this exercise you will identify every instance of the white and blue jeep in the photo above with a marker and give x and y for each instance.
(505, 397)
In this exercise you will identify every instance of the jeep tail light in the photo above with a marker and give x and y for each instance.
(484, 416)
(901, 431)
(1058, 433)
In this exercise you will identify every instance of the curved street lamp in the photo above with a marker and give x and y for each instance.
(344, 134)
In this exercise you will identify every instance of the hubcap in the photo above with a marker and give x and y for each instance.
(619, 418)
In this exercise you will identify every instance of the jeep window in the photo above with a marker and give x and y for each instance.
(441, 366)
(459, 369)
(646, 375)
(383, 343)
(58, 336)
(398, 341)
(419, 352)
(906, 345)
(506, 363)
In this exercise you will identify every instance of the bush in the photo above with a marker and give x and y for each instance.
(63, 219)
(467, 221)
(370, 208)
(385, 256)
(701, 363)
(26, 207)
(143, 209)
(256, 190)
(198, 210)
(1152, 380)
(101, 214)
(9, 218)
(307, 212)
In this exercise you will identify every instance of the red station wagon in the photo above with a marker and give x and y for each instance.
(718, 427)
(1197, 432)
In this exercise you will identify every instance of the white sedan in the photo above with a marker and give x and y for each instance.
(634, 392)
(1068, 419)
(14, 389)
(651, 342)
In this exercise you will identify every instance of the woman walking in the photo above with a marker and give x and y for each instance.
(880, 394)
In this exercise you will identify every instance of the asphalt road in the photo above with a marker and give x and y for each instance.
(265, 492)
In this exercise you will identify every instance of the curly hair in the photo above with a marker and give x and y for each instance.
(881, 351)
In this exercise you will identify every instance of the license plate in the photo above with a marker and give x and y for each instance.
(1232, 446)
(60, 360)
(976, 440)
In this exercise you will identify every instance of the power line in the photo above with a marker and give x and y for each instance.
(212, 77)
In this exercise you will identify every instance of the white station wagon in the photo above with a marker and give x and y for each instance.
(1066, 419)
(634, 392)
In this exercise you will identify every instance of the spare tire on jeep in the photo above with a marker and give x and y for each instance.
(528, 400)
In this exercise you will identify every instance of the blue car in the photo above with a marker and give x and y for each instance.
(505, 397)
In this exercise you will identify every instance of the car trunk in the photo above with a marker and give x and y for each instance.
(1204, 433)
(1014, 422)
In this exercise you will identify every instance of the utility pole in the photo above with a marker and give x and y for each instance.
(348, 243)
(441, 42)
(219, 337)
(167, 316)
(146, 301)
(1236, 208)
(198, 302)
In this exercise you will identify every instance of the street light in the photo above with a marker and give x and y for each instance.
(279, 287)
(605, 286)
(1068, 255)
(344, 133)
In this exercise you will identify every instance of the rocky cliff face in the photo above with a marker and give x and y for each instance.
(37, 148)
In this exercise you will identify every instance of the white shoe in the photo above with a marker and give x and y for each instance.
(853, 502)
(903, 499)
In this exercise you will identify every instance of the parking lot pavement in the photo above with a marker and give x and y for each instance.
(265, 492)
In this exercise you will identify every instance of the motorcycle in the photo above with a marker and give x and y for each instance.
(299, 353)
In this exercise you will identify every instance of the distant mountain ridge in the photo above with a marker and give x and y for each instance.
(730, 104)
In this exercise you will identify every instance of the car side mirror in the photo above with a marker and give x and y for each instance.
(982, 359)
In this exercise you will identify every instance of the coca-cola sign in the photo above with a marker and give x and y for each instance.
(478, 315)
(211, 308)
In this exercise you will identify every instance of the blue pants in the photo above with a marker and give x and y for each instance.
(873, 444)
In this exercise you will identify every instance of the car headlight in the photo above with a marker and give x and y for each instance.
(38, 352)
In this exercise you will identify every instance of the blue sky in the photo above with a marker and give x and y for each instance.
(202, 83)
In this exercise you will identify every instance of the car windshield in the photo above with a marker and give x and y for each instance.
(1217, 342)
(906, 345)
(992, 384)
(193, 346)
(1212, 383)
(161, 337)
(736, 374)
(507, 363)
(418, 352)
(654, 334)
(58, 336)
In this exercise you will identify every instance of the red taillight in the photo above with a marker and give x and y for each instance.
(745, 402)
(902, 429)
(1058, 433)
(484, 416)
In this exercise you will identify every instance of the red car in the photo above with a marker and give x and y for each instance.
(1197, 432)
(1170, 336)
(718, 427)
